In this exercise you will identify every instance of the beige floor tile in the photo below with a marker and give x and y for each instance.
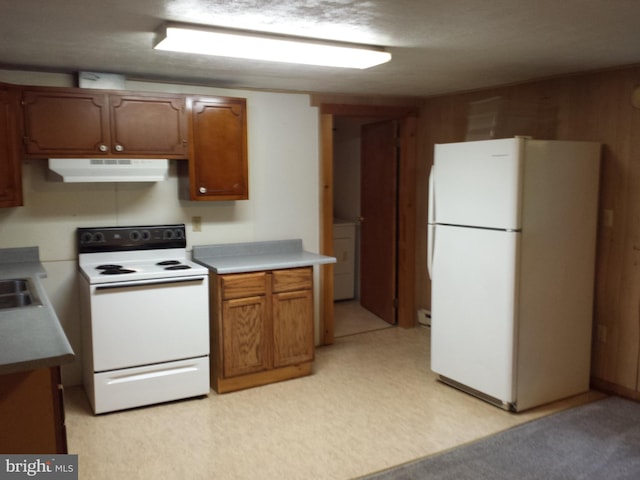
(351, 318)
(371, 403)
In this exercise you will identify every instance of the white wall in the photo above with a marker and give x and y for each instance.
(346, 168)
(283, 196)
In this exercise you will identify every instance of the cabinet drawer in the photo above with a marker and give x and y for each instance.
(243, 285)
(292, 279)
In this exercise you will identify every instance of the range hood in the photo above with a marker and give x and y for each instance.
(75, 170)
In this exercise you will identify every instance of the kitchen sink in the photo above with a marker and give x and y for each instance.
(16, 293)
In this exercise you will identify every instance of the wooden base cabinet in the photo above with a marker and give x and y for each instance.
(262, 327)
(32, 412)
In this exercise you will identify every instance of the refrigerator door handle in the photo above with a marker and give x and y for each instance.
(432, 197)
(431, 236)
(431, 229)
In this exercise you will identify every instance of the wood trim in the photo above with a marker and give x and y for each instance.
(407, 185)
(58, 410)
(613, 389)
(326, 229)
(407, 208)
(378, 111)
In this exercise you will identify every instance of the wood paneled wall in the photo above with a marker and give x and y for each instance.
(596, 107)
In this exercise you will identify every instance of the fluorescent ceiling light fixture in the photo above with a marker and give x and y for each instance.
(275, 48)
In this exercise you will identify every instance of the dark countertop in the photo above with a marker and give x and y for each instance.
(31, 337)
(257, 256)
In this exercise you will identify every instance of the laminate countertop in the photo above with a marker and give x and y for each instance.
(31, 337)
(257, 256)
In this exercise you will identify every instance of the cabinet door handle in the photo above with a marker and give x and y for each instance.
(219, 191)
(202, 190)
(103, 148)
(119, 148)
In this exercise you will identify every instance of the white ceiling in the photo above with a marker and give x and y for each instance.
(438, 46)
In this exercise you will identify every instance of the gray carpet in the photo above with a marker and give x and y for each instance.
(597, 441)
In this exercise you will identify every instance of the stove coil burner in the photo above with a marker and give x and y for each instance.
(113, 269)
(178, 267)
(173, 265)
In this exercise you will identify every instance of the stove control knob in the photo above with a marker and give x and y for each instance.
(134, 236)
(98, 237)
(167, 235)
(146, 235)
(178, 234)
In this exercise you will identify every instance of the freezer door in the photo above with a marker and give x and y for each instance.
(478, 183)
(473, 308)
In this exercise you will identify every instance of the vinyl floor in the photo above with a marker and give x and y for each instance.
(371, 403)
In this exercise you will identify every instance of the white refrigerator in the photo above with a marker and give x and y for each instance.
(511, 255)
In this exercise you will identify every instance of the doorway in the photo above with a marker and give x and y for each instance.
(365, 224)
(404, 250)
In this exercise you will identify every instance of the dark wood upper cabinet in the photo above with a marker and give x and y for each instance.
(60, 122)
(10, 159)
(80, 123)
(148, 125)
(55, 122)
(218, 149)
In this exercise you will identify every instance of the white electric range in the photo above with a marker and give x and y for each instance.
(145, 317)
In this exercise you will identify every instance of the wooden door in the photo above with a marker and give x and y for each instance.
(378, 206)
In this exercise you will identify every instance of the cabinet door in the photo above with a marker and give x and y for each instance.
(148, 125)
(292, 328)
(218, 149)
(32, 413)
(245, 336)
(65, 123)
(10, 165)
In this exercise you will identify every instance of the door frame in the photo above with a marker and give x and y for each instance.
(407, 186)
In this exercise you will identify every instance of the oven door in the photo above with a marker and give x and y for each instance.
(148, 321)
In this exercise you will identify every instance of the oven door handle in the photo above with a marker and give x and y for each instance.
(142, 283)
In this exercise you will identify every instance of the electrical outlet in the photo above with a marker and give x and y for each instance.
(424, 317)
(196, 224)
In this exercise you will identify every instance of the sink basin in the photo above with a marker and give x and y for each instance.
(16, 293)
(16, 285)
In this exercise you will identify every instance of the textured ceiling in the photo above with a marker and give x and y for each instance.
(438, 46)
